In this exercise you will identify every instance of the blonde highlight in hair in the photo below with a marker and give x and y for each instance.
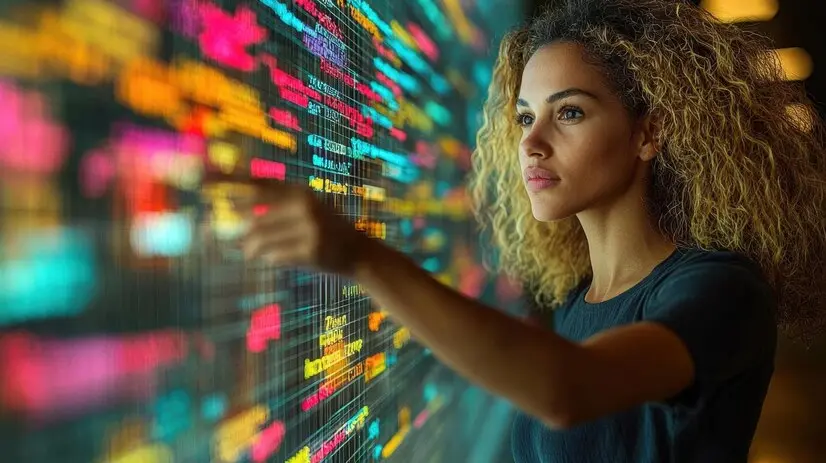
(736, 172)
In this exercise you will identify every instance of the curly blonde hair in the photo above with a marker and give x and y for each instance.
(736, 170)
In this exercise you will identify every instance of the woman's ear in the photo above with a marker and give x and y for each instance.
(649, 140)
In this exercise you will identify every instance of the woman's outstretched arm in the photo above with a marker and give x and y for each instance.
(560, 382)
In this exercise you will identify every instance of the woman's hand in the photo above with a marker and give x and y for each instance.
(290, 226)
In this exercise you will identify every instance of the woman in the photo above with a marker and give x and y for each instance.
(638, 171)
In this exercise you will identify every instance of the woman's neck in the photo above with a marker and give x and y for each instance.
(624, 246)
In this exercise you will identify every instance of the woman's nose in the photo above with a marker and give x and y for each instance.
(534, 144)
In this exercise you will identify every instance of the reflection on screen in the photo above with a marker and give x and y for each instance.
(131, 330)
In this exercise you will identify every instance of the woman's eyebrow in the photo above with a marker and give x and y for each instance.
(560, 95)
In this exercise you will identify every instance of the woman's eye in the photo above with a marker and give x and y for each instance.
(524, 120)
(570, 113)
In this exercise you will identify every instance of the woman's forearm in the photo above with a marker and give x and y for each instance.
(526, 364)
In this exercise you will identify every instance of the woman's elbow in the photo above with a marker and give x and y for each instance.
(566, 390)
(560, 420)
(564, 410)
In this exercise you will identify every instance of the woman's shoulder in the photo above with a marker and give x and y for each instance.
(710, 278)
(698, 265)
(725, 256)
(720, 305)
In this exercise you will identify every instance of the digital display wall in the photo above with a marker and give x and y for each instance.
(131, 330)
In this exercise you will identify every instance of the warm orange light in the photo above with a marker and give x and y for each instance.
(741, 10)
(770, 459)
(796, 63)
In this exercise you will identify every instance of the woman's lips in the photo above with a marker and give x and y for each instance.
(537, 178)
(537, 184)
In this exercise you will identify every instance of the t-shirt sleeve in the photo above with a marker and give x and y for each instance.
(724, 312)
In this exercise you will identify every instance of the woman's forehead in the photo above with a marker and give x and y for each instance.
(557, 67)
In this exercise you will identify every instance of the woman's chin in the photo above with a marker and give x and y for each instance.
(546, 214)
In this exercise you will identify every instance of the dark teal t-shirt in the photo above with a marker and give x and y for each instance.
(722, 307)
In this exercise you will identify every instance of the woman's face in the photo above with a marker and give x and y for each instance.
(579, 148)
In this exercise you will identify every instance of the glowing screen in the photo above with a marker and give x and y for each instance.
(131, 329)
